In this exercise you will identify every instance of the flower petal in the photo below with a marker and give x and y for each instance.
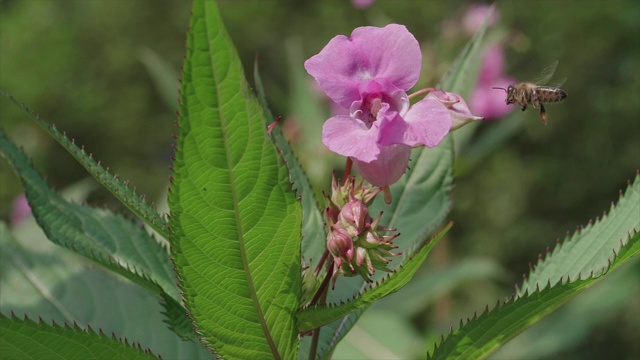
(391, 163)
(426, 123)
(347, 136)
(390, 53)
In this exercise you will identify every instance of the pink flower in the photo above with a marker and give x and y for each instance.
(361, 4)
(475, 16)
(484, 100)
(369, 74)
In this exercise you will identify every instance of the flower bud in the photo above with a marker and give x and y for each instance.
(458, 109)
(353, 217)
(340, 245)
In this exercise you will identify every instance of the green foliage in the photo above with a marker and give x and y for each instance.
(314, 233)
(26, 339)
(137, 204)
(589, 249)
(40, 279)
(314, 317)
(235, 223)
(482, 335)
(101, 235)
(587, 253)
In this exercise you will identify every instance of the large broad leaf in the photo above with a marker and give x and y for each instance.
(40, 279)
(101, 235)
(421, 198)
(589, 248)
(26, 339)
(314, 232)
(120, 189)
(235, 222)
(482, 335)
(319, 315)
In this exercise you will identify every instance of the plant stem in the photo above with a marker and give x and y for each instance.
(347, 170)
(321, 262)
(321, 296)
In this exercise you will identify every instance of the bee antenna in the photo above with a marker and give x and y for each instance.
(499, 88)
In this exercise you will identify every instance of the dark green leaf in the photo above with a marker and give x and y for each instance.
(26, 339)
(40, 279)
(136, 203)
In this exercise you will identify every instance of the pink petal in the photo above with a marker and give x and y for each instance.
(390, 53)
(347, 136)
(426, 123)
(361, 4)
(391, 163)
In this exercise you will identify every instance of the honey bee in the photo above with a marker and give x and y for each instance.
(526, 93)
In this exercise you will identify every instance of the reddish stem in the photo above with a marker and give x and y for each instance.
(347, 170)
(321, 262)
(325, 284)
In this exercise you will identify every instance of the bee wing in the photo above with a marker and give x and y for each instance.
(558, 83)
(547, 73)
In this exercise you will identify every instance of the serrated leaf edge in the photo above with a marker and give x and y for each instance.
(570, 238)
(75, 327)
(593, 275)
(112, 182)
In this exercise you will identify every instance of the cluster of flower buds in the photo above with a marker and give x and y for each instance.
(355, 239)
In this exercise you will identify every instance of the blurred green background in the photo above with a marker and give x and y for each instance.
(106, 72)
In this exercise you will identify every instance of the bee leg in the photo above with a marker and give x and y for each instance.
(543, 114)
(524, 107)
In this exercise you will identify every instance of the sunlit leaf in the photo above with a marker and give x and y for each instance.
(235, 221)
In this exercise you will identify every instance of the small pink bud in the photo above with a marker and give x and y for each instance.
(353, 216)
(340, 245)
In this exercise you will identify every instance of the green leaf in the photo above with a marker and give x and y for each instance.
(40, 279)
(314, 317)
(421, 198)
(105, 237)
(314, 233)
(480, 336)
(134, 202)
(235, 222)
(589, 248)
(569, 329)
(26, 339)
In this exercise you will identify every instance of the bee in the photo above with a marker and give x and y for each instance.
(534, 94)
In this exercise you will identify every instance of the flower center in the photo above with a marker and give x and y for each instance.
(372, 106)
